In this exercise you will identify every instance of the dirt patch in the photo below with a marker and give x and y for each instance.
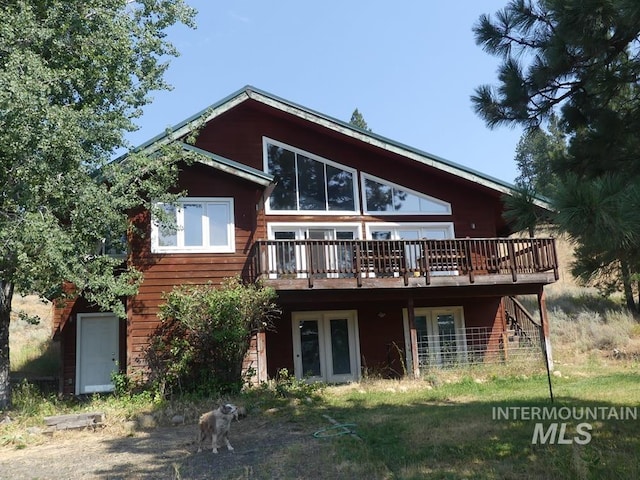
(262, 446)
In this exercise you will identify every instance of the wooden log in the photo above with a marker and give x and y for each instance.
(75, 421)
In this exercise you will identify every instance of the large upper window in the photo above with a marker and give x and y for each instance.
(382, 197)
(305, 182)
(201, 225)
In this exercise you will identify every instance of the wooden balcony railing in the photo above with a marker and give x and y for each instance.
(358, 259)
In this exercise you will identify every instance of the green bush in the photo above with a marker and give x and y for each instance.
(287, 385)
(204, 335)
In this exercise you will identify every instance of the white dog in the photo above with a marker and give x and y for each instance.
(216, 424)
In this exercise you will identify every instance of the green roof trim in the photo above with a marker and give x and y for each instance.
(229, 166)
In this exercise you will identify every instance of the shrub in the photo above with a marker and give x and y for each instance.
(288, 386)
(589, 330)
(204, 335)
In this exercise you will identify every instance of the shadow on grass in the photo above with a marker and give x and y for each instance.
(412, 434)
(41, 371)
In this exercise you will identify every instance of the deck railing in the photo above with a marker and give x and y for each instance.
(521, 326)
(291, 259)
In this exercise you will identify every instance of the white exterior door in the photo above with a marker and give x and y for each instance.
(97, 352)
(326, 346)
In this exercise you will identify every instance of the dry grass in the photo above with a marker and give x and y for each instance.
(31, 351)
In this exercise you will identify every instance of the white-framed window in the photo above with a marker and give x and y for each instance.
(314, 231)
(290, 257)
(413, 231)
(409, 230)
(441, 336)
(306, 182)
(203, 225)
(382, 197)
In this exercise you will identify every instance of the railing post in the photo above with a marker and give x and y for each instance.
(512, 260)
(308, 249)
(263, 261)
(358, 272)
(467, 252)
(425, 262)
(556, 274)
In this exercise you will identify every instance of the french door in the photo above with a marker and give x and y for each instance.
(325, 346)
(441, 337)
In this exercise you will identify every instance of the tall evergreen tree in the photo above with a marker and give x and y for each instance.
(579, 60)
(357, 120)
(537, 154)
(75, 74)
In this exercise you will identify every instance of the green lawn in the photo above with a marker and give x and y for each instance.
(408, 431)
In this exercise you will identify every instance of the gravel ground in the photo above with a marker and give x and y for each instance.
(263, 449)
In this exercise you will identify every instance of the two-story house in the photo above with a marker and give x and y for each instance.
(384, 257)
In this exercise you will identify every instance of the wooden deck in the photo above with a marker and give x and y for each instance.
(336, 264)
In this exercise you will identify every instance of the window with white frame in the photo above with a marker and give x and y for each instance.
(291, 257)
(413, 231)
(410, 231)
(307, 182)
(383, 197)
(199, 224)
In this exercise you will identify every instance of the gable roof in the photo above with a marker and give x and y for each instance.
(180, 130)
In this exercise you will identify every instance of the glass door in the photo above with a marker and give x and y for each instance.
(321, 255)
(325, 346)
(445, 339)
(310, 350)
(441, 338)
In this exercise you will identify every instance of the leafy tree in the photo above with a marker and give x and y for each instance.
(75, 75)
(579, 60)
(205, 334)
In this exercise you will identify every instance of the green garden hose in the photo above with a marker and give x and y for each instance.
(336, 430)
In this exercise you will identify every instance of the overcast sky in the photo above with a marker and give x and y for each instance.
(409, 67)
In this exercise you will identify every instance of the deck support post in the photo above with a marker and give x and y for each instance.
(545, 340)
(413, 334)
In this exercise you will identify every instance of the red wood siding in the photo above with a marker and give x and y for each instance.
(162, 272)
(280, 346)
(382, 347)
